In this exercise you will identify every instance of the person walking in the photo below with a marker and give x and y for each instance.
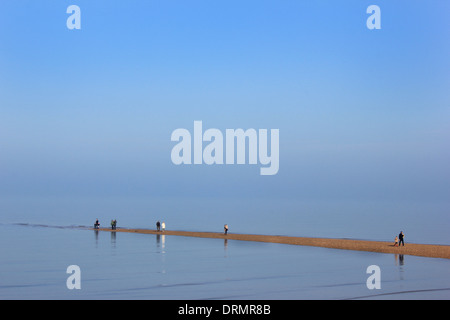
(96, 224)
(396, 241)
(225, 228)
(158, 226)
(163, 226)
(400, 238)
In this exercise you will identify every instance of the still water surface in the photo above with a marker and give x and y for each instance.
(34, 260)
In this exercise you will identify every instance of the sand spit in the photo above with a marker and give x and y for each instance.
(422, 250)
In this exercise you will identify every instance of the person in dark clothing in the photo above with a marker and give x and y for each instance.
(400, 239)
(158, 226)
(96, 224)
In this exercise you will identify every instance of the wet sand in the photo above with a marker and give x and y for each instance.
(423, 250)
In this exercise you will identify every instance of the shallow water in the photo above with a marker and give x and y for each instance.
(422, 222)
(143, 266)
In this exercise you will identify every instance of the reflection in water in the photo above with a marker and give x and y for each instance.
(160, 245)
(96, 238)
(113, 239)
(399, 261)
(225, 247)
(160, 242)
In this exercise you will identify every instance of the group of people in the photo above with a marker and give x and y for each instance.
(113, 224)
(160, 226)
(399, 240)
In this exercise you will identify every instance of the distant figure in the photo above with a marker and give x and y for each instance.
(113, 224)
(225, 228)
(158, 226)
(96, 224)
(396, 241)
(163, 226)
(400, 239)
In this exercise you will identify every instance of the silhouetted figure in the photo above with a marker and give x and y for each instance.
(400, 239)
(96, 224)
(158, 226)
(225, 228)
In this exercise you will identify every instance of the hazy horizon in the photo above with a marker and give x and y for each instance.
(363, 115)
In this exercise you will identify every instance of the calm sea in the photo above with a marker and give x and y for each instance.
(115, 265)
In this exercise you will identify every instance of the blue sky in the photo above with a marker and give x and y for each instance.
(363, 114)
